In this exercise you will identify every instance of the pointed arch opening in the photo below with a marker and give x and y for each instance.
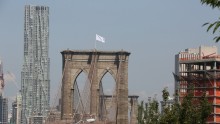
(107, 90)
(80, 80)
(108, 83)
(80, 95)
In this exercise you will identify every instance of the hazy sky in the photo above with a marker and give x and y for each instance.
(152, 30)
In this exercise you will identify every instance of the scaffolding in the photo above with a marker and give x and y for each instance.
(203, 74)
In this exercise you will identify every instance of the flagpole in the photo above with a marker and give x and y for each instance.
(95, 44)
(99, 38)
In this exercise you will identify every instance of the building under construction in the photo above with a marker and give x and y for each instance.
(200, 68)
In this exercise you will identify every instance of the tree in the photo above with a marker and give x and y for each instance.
(191, 110)
(194, 110)
(153, 112)
(215, 25)
(141, 113)
(188, 113)
(212, 3)
(205, 108)
(170, 114)
(148, 113)
(165, 94)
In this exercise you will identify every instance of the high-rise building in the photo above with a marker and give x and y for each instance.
(198, 71)
(3, 101)
(3, 110)
(1, 78)
(19, 108)
(14, 113)
(16, 110)
(35, 82)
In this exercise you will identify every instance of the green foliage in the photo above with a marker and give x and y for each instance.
(141, 113)
(188, 113)
(194, 111)
(215, 25)
(170, 114)
(153, 112)
(205, 108)
(148, 114)
(166, 94)
(191, 111)
(212, 3)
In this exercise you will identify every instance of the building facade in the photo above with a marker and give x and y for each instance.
(14, 113)
(19, 108)
(35, 82)
(3, 110)
(16, 110)
(198, 71)
(3, 101)
(1, 78)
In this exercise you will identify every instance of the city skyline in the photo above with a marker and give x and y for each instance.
(151, 34)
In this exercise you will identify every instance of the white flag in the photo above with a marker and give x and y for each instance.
(100, 38)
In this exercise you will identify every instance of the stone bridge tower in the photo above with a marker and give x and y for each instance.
(96, 64)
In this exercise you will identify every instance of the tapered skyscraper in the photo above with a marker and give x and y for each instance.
(35, 82)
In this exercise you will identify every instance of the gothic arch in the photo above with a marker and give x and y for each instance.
(104, 72)
(76, 75)
(96, 64)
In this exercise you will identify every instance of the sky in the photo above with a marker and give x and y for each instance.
(152, 30)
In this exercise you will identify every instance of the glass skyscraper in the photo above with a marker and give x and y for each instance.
(3, 110)
(35, 82)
